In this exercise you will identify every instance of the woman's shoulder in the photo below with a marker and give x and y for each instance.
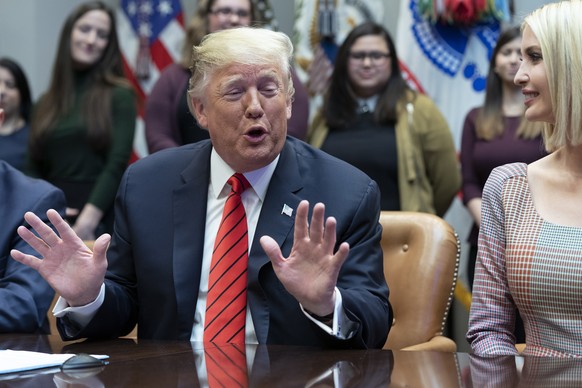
(501, 174)
(422, 101)
(419, 105)
(174, 73)
(473, 112)
(508, 178)
(172, 80)
(123, 91)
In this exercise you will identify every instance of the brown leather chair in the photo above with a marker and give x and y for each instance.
(51, 318)
(421, 262)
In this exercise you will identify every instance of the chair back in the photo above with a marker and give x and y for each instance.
(421, 261)
(51, 318)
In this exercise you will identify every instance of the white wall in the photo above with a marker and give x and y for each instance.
(29, 33)
(29, 29)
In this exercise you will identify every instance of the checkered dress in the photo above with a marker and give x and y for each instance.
(527, 263)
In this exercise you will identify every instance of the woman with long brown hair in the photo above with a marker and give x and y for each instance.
(497, 132)
(83, 126)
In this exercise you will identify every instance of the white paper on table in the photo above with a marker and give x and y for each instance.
(21, 360)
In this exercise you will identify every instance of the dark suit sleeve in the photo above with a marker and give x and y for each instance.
(154, 258)
(120, 288)
(361, 280)
(353, 199)
(24, 295)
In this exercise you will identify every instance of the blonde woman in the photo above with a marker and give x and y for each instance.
(530, 241)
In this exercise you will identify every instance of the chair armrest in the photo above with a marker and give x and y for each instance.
(438, 343)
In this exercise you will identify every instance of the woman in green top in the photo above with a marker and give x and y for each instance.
(83, 126)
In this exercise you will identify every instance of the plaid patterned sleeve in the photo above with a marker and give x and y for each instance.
(498, 371)
(492, 316)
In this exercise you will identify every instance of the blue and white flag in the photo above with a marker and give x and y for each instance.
(449, 63)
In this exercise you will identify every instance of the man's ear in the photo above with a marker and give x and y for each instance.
(198, 110)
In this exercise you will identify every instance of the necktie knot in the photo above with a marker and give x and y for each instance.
(239, 183)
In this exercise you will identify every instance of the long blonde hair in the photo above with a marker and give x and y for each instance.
(559, 31)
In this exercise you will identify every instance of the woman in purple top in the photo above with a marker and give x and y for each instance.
(168, 121)
(496, 133)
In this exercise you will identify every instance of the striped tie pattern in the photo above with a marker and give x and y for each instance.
(227, 297)
(226, 366)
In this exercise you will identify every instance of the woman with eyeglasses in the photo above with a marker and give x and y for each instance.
(373, 120)
(168, 121)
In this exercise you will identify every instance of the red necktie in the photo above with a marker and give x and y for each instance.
(226, 301)
(226, 366)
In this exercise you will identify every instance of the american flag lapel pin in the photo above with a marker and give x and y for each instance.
(287, 210)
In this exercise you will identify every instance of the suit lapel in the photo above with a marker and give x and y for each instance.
(189, 208)
(276, 223)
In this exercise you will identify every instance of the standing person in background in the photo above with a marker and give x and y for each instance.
(25, 296)
(496, 133)
(82, 129)
(374, 121)
(168, 121)
(15, 99)
(530, 239)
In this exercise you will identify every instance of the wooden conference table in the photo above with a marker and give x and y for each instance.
(147, 363)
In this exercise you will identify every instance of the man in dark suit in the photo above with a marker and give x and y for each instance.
(303, 287)
(25, 296)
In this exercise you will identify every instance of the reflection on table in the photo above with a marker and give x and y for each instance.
(147, 363)
(524, 372)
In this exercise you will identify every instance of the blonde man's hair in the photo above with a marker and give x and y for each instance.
(558, 28)
(241, 45)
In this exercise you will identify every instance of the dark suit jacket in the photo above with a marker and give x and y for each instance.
(156, 250)
(24, 295)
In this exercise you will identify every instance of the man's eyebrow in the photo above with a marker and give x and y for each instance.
(233, 79)
(230, 80)
(269, 74)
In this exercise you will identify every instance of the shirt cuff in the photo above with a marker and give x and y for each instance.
(81, 315)
(341, 326)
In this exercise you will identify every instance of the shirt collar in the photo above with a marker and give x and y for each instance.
(370, 102)
(220, 171)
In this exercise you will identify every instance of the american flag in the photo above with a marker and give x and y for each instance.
(150, 35)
